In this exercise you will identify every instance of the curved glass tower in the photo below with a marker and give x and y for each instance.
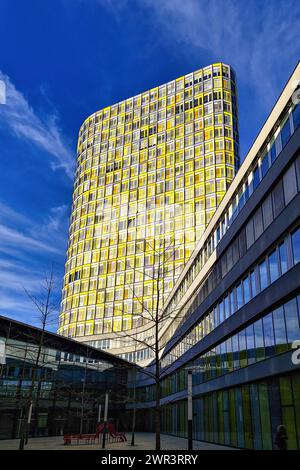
(151, 171)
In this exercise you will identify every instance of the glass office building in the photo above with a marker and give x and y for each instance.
(69, 385)
(151, 171)
(238, 302)
(237, 322)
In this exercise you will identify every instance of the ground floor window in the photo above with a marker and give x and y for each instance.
(246, 416)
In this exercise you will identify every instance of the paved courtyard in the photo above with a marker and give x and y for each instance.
(144, 441)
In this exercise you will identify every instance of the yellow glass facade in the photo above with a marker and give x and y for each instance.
(151, 168)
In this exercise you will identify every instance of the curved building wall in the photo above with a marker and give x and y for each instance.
(239, 295)
(151, 171)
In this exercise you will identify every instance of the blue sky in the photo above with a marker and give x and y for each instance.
(62, 60)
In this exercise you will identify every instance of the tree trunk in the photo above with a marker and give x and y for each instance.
(134, 411)
(157, 381)
(157, 416)
(26, 426)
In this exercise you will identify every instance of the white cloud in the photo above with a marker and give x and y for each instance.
(14, 276)
(57, 220)
(22, 241)
(18, 306)
(20, 235)
(15, 279)
(259, 39)
(13, 237)
(9, 214)
(26, 124)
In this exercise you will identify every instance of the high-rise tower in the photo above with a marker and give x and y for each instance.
(151, 171)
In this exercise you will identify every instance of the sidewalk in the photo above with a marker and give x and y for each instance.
(144, 441)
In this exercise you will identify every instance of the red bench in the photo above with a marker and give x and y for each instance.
(116, 436)
(86, 438)
(112, 435)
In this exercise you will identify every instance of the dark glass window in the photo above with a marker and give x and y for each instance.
(223, 226)
(292, 321)
(250, 233)
(216, 315)
(273, 266)
(224, 366)
(258, 223)
(253, 284)
(265, 419)
(235, 351)
(246, 286)
(242, 242)
(221, 311)
(267, 211)
(229, 257)
(264, 165)
(250, 344)
(239, 417)
(283, 257)
(235, 251)
(243, 349)
(290, 184)
(296, 245)
(268, 334)
(285, 133)
(279, 330)
(241, 200)
(273, 152)
(239, 296)
(263, 275)
(255, 178)
(232, 303)
(211, 323)
(256, 422)
(259, 340)
(296, 116)
(210, 360)
(229, 353)
(218, 359)
(247, 192)
(278, 199)
(226, 306)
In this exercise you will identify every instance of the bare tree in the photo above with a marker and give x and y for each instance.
(46, 315)
(155, 319)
